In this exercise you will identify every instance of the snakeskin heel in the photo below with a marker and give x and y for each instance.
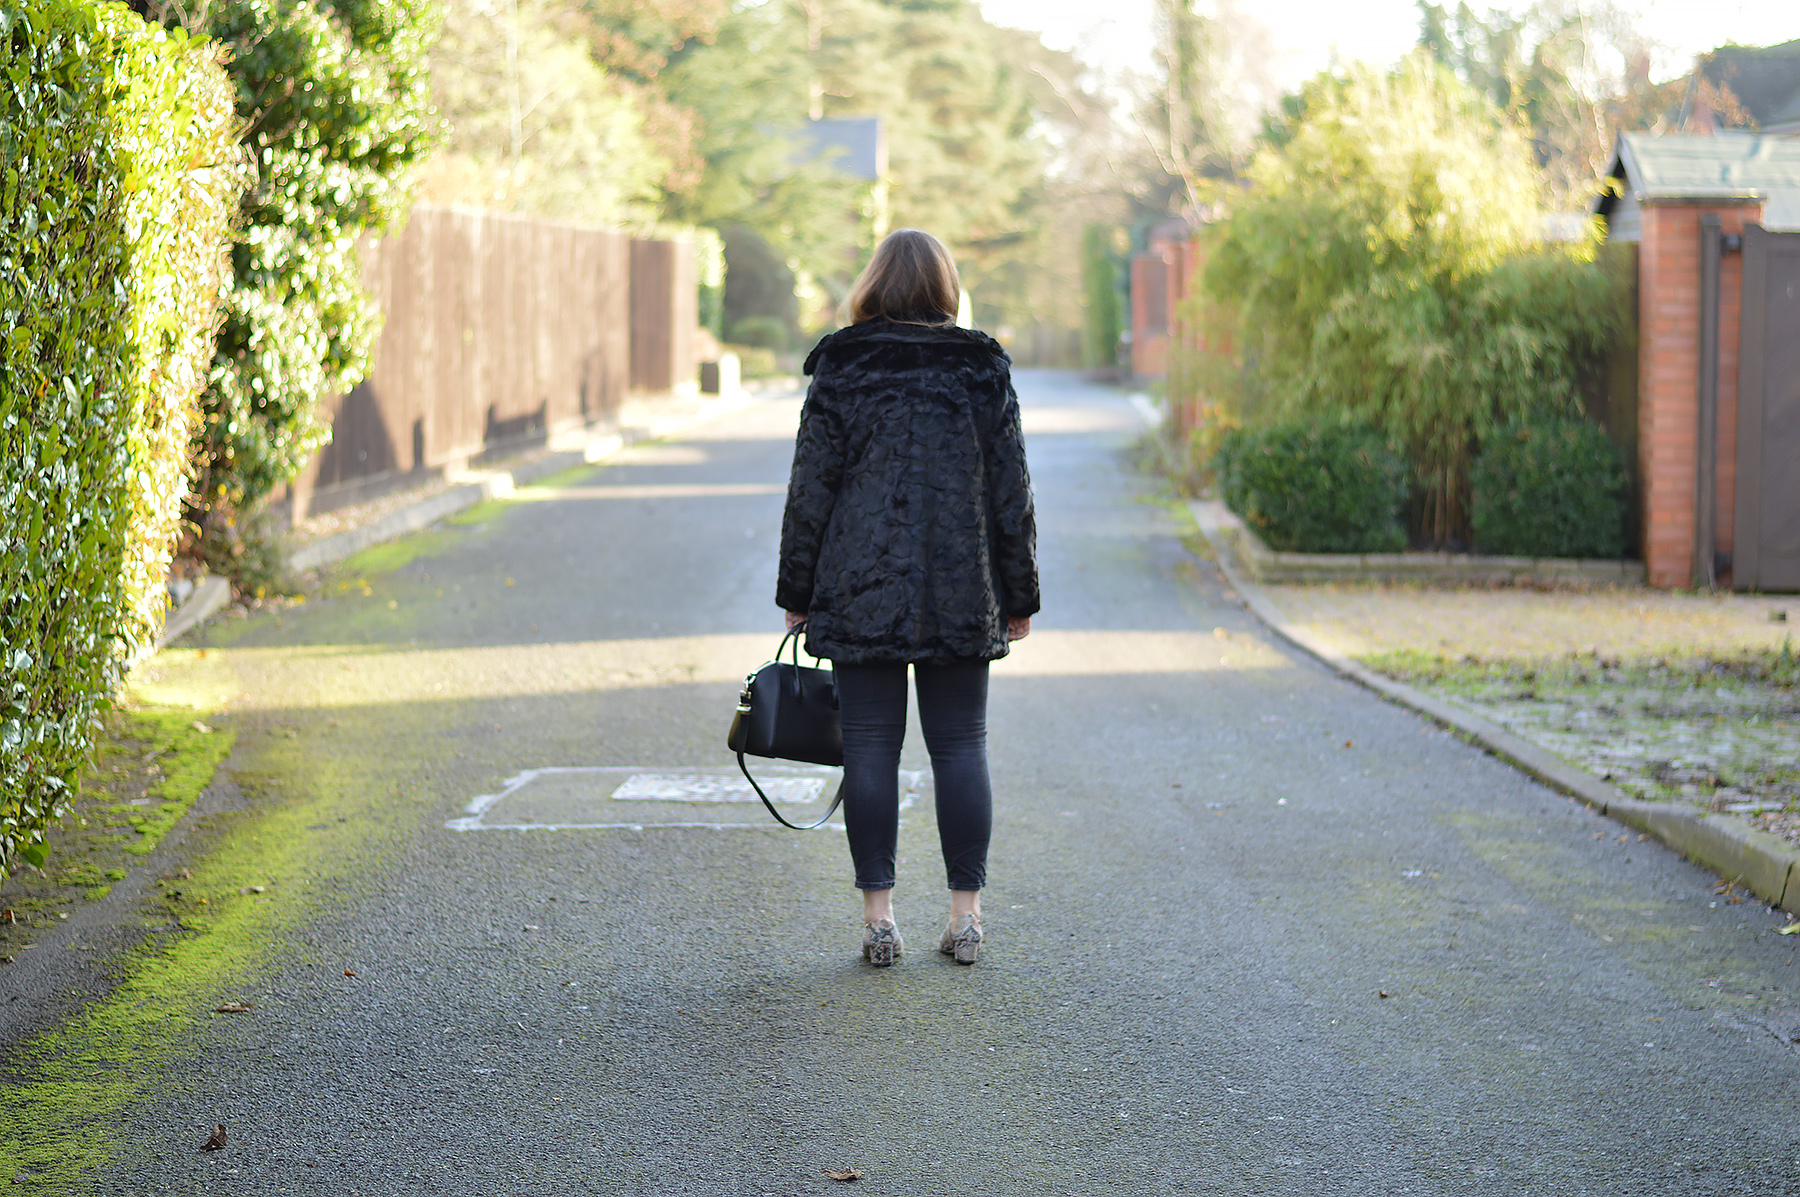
(881, 943)
(962, 939)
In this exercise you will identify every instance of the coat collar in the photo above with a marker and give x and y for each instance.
(902, 332)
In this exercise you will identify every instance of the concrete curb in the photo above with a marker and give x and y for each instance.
(1762, 863)
(1266, 565)
(208, 598)
(499, 484)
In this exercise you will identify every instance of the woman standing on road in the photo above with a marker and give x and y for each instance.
(909, 538)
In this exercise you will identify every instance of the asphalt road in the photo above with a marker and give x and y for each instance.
(1251, 929)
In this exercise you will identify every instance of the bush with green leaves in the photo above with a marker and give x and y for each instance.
(1100, 293)
(1386, 262)
(1306, 487)
(335, 106)
(116, 204)
(1549, 488)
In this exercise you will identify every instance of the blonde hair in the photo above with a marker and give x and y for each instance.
(911, 274)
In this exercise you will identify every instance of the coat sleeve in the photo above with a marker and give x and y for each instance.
(812, 492)
(1014, 514)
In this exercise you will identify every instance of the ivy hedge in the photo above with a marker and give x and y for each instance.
(334, 100)
(118, 190)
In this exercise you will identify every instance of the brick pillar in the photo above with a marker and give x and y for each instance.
(1669, 382)
(1185, 260)
(1149, 315)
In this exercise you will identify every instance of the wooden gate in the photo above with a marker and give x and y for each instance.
(1766, 536)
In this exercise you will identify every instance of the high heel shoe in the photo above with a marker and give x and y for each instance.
(881, 942)
(962, 938)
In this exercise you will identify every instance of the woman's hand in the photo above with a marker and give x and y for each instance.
(1018, 629)
(796, 618)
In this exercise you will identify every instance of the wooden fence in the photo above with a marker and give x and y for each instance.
(500, 332)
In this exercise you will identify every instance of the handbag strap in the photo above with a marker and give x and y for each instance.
(765, 801)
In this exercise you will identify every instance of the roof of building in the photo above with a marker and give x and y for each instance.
(856, 145)
(1765, 80)
(1721, 167)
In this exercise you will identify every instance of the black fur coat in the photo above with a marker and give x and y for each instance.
(909, 533)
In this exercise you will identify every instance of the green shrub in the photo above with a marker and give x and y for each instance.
(334, 99)
(122, 174)
(762, 332)
(1100, 294)
(754, 361)
(1549, 488)
(1315, 488)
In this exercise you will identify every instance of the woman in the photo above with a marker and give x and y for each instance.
(909, 538)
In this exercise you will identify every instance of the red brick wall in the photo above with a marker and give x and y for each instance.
(1669, 383)
(1149, 315)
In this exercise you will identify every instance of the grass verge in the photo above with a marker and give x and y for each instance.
(1720, 730)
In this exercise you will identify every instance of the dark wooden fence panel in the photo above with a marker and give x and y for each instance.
(499, 332)
(665, 313)
(1766, 541)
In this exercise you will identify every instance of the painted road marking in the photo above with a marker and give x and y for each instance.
(638, 798)
(696, 787)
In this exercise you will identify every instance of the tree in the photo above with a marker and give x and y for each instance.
(534, 123)
(1198, 121)
(1571, 73)
(1385, 263)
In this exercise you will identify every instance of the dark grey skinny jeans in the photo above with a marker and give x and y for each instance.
(953, 716)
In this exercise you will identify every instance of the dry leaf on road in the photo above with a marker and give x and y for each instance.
(217, 1139)
(844, 1174)
(233, 1008)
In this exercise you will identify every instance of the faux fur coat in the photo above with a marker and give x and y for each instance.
(909, 533)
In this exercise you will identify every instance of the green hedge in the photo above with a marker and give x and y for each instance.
(1307, 487)
(1549, 488)
(334, 99)
(121, 172)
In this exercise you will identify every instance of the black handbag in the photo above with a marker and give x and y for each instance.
(790, 712)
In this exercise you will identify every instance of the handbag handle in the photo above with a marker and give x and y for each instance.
(832, 810)
(795, 633)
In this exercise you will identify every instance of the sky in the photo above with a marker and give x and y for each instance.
(1306, 34)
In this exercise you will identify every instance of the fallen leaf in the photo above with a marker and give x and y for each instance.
(201, 728)
(1382, 993)
(217, 1139)
(1346, 743)
(531, 926)
(185, 875)
(844, 1174)
(1790, 929)
(253, 889)
(233, 1008)
(348, 973)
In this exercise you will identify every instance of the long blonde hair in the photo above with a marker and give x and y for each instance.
(911, 274)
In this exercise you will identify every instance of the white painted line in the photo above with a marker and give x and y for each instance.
(690, 787)
(583, 797)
